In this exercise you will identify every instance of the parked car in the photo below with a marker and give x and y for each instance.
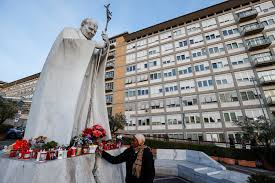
(16, 133)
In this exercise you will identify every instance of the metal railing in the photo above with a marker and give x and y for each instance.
(258, 42)
(245, 14)
(252, 27)
(267, 79)
(263, 60)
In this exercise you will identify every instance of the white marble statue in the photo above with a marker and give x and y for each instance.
(70, 94)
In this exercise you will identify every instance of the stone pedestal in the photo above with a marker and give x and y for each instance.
(71, 170)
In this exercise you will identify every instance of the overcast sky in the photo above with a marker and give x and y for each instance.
(28, 28)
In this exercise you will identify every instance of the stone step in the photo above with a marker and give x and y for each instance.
(207, 170)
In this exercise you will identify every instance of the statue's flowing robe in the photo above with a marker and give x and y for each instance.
(70, 94)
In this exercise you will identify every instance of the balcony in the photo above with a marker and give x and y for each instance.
(252, 29)
(111, 55)
(262, 61)
(246, 15)
(109, 101)
(112, 46)
(270, 100)
(109, 77)
(108, 89)
(110, 65)
(258, 43)
(268, 79)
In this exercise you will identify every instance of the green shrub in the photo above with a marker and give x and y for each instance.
(260, 179)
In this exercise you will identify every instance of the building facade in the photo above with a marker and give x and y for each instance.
(192, 76)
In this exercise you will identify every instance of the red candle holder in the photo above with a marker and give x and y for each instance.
(13, 153)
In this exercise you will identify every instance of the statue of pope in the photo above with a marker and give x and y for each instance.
(70, 94)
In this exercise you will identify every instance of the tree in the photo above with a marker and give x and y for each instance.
(8, 109)
(117, 122)
(257, 129)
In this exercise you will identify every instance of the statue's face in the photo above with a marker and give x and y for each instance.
(89, 29)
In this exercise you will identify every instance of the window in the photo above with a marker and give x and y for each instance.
(109, 98)
(172, 102)
(157, 104)
(182, 44)
(171, 87)
(189, 101)
(230, 96)
(186, 85)
(130, 58)
(167, 48)
(168, 60)
(185, 70)
(209, 23)
(153, 63)
(158, 120)
(130, 93)
(174, 119)
(211, 36)
(208, 98)
(198, 53)
(130, 107)
(192, 118)
(153, 40)
(142, 78)
(131, 46)
(234, 45)
(215, 49)
(156, 75)
(244, 76)
(166, 35)
(201, 67)
(156, 90)
(130, 80)
(143, 106)
(141, 43)
(142, 91)
(141, 55)
(249, 95)
(211, 117)
(226, 19)
(182, 56)
(109, 74)
(231, 116)
(229, 32)
(145, 121)
(196, 40)
(205, 83)
(169, 73)
(193, 28)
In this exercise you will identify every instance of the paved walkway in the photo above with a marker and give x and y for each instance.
(170, 180)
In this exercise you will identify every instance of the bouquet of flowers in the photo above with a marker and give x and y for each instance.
(95, 133)
(21, 145)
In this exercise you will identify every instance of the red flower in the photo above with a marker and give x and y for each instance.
(97, 133)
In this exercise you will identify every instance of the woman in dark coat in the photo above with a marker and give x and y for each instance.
(139, 161)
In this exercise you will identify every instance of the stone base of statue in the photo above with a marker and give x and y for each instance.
(78, 169)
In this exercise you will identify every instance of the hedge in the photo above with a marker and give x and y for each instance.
(212, 150)
(260, 179)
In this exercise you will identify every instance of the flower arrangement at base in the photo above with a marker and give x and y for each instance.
(93, 137)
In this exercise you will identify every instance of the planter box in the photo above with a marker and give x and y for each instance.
(251, 164)
(215, 158)
(228, 161)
